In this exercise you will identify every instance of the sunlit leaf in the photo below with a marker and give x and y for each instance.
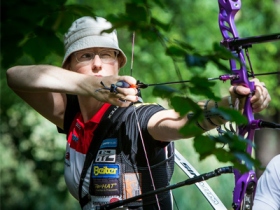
(191, 129)
(183, 105)
(222, 52)
(163, 91)
(204, 145)
(231, 115)
(207, 92)
(160, 24)
(223, 156)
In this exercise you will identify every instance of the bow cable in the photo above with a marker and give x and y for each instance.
(138, 125)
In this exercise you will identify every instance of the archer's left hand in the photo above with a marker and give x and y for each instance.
(260, 99)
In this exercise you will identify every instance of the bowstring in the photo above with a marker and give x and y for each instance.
(138, 125)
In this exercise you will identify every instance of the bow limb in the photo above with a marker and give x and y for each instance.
(245, 184)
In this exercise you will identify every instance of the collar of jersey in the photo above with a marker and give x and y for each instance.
(95, 118)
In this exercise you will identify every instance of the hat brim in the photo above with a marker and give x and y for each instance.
(94, 41)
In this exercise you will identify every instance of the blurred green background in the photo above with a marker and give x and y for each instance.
(32, 154)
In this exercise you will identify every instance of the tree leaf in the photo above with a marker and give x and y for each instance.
(38, 45)
(136, 12)
(204, 145)
(221, 52)
(191, 129)
(223, 156)
(196, 60)
(231, 115)
(175, 50)
(164, 91)
(183, 105)
(159, 24)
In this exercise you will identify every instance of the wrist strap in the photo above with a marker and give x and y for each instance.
(208, 113)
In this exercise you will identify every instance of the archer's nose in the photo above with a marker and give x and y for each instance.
(96, 63)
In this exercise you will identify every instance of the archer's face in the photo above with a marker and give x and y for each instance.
(95, 61)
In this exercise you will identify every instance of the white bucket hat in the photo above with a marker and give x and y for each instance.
(85, 33)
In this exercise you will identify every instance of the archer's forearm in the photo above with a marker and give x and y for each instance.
(46, 78)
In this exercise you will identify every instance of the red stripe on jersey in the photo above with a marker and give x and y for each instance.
(81, 133)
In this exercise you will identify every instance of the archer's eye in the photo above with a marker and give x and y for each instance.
(84, 56)
(107, 54)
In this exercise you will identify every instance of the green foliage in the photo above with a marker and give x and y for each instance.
(175, 40)
(36, 28)
(164, 91)
(189, 105)
(209, 145)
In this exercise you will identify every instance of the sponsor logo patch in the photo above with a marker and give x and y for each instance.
(106, 156)
(105, 187)
(109, 143)
(105, 171)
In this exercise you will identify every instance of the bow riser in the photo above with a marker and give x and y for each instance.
(244, 183)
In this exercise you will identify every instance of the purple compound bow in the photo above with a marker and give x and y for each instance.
(245, 184)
